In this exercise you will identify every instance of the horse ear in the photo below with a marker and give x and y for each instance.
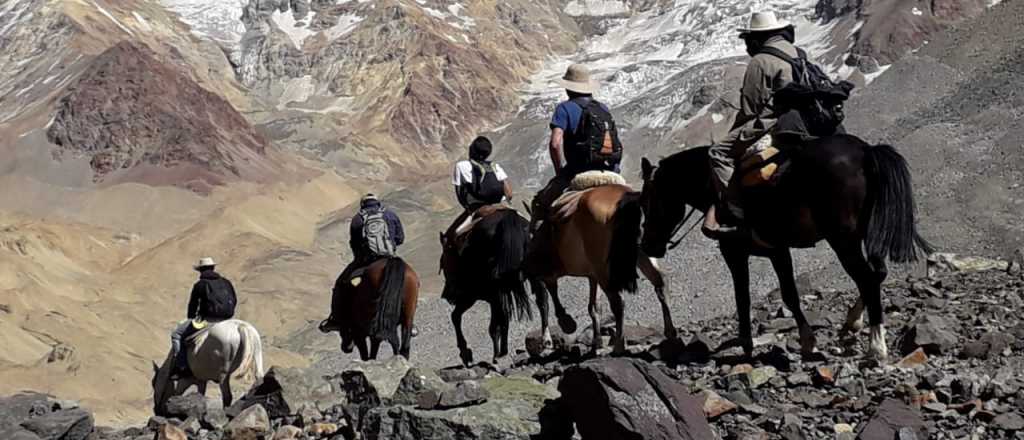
(648, 169)
(156, 369)
(441, 236)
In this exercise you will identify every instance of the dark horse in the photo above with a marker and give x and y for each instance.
(489, 269)
(856, 196)
(384, 299)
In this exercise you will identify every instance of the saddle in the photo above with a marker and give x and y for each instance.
(568, 203)
(478, 215)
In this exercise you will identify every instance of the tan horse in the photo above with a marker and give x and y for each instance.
(596, 236)
(217, 353)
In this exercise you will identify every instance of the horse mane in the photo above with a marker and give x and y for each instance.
(690, 168)
(390, 295)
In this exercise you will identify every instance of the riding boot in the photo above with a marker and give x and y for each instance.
(180, 363)
(724, 223)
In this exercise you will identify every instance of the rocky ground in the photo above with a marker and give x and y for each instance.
(956, 345)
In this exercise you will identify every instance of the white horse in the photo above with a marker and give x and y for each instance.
(216, 353)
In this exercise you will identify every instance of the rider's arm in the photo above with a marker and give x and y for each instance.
(193, 301)
(756, 93)
(555, 148)
(508, 190)
(399, 232)
(355, 234)
(462, 193)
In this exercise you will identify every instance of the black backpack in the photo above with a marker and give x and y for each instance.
(597, 145)
(816, 97)
(221, 300)
(485, 189)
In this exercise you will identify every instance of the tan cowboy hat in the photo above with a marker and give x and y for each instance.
(762, 22)
(577, 79)
(204, 262)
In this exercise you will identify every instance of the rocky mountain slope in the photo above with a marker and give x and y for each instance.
(138, 135)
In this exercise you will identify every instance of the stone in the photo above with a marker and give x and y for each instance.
(374, 383)
(929, 332)
(823, 376)
(287, 433)
(215, 419)
(429, 399)
(308, 415)
(19, 407)
(251, 424)
(798, 379)
(617, 398)
(1012, 421)
(322, 429)
(988, 346)
(70, 424)
(894, 418)
(463, 394)
(914, 360)
(459, 374)
(183, 407)
(935, 407)
(283, 391)
(494, 419)
(191, 426)
(963, 264)
(716, 405)
(560, 341)
(168, 431)
(18, 433)
(415, 382)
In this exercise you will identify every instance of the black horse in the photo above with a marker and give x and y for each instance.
(858, 197)
(488, 268)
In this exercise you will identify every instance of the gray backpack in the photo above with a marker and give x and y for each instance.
(376, 233)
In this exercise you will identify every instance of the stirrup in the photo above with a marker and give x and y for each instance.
(725, 232)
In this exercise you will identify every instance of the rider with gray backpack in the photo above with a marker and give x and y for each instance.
(374, 233)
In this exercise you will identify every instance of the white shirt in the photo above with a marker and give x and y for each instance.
(463, 173)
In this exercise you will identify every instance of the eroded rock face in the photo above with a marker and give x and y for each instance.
(622, 399)
(137, 118)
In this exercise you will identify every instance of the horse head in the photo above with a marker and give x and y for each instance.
(163, 387)
(657, 227)
(447, 264)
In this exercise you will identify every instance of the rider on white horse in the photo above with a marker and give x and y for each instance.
(213, 300)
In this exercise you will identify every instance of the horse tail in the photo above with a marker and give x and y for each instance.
(251, 359)
(624, 248)
(512, 234)
(389, 299)
(891, 228)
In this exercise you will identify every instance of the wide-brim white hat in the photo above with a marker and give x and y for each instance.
(763, 22)
(205, 262)
(577, 79)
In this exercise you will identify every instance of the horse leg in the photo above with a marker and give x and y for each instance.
(616, 304)
(407, 335)
(494, 329)
(737, 259)
(854, 318)
(364, 353)
(869, 284)
(595, 318)
(565, 321)
(782, 262)
(650, 270)
(201, 387)
(393, 342)
(225, 391)
(374, 347)
(541, 296)
(464, 352)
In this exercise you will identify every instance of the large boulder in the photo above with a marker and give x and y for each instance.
(627, 399)
(286, 391)
(20, 407)
(189, 405)
(374, 383)
(894, 419)
(416, 382)
(69, 424)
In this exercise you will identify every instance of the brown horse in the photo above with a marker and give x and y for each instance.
(595, 236)
(384, 299)
(858, 197)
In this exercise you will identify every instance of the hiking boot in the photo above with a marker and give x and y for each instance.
(715, 230)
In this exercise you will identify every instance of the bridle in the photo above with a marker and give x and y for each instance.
(672, 244)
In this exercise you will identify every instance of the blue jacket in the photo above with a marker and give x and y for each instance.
(355, 230)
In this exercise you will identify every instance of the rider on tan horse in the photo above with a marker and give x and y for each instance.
(593, 230)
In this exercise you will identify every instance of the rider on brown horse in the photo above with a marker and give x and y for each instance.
(375, 232)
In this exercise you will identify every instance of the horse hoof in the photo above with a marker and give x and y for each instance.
(467, 357)
(567, 324)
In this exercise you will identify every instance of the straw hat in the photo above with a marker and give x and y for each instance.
(204, 262)
(577, 79)
(762, 22)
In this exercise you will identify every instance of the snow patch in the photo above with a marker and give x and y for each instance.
(868, 78)
(111, 17)
(297, 30)
(916, 11)
(346, 23)
(142, 22)
(596, 8)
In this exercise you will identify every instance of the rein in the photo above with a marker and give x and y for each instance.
(672, 244)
